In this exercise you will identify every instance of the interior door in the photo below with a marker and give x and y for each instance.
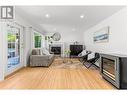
(15, 48)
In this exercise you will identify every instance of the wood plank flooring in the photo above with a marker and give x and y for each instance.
(55, 78)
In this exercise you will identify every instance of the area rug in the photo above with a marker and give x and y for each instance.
(74, 63)
(68, 64)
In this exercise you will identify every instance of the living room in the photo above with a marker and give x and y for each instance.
(47, 44)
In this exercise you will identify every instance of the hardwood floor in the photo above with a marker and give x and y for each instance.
(55, 78)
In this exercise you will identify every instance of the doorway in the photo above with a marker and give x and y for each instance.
(14, 48)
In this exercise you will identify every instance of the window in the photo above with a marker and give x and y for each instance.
(37, 40)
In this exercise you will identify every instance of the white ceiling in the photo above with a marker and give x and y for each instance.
(66, 15)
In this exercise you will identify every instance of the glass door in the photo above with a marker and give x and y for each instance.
(13, 47)
(14, 54)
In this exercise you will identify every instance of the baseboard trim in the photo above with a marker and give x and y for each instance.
(14, 72)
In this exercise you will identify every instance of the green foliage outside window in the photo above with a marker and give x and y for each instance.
(11, 37)
(37, 40)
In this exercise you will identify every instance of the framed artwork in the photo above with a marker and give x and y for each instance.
(101, 35)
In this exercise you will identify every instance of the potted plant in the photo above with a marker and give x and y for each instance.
(67, 53)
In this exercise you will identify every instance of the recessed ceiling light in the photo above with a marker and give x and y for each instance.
(47, 15)
(81, 16)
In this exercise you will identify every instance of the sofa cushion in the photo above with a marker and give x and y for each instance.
(36, 52)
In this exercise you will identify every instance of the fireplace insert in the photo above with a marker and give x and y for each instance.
(113, 68)
(56, 50)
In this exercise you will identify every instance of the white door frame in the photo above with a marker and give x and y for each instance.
(20, 65)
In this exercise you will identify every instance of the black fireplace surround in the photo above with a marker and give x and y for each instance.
(56, 50)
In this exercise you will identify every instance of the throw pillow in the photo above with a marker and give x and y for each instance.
(84, 52)
(45, 51)
(36, 52)
(91, 56)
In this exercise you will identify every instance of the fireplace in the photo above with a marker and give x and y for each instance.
(56, 50)
(113, 68)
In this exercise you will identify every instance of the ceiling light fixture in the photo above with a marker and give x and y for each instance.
(81, 16)
(47, 15)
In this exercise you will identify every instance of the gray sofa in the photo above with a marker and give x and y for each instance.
(38, 59)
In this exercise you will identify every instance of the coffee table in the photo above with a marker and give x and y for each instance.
(67, 60)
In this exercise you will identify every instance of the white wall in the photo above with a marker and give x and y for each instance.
(68, 35)
(117, 34)
(2, 52)
(27, 37)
